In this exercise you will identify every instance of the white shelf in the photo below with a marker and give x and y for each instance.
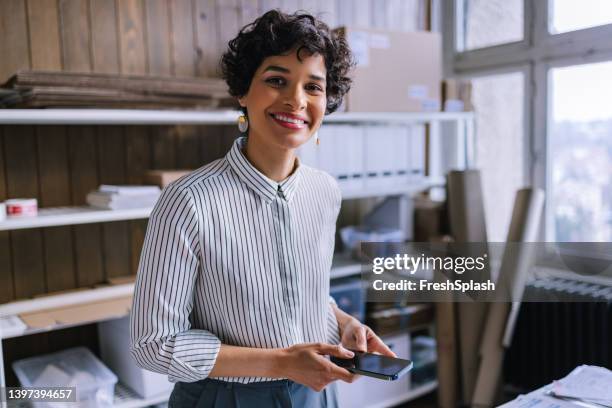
(57, 216)
(397, 117)
(60, 216)
(219, 117)
(410, 187)
(344, 265)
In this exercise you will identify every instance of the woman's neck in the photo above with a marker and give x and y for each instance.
(275, 163)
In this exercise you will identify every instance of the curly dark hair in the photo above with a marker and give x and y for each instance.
(276, 33)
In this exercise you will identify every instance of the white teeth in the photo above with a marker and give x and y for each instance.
(288, 119)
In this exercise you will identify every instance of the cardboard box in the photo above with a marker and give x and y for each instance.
(162, 178)
(395, 71)
(114, 337)
(457, 95)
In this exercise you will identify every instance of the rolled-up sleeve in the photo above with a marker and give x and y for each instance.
(162, 339)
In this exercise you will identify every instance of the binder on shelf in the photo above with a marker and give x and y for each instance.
(342, 156)
(325, 152)
(375, 155)
(417, 152)
(307, 152)
(401, 154)
(349, 149)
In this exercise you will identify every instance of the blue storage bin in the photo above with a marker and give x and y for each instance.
(350, 296)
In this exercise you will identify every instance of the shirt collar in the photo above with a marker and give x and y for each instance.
(267, 188)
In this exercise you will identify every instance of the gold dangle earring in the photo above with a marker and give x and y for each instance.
(318, 141)
(243, 123)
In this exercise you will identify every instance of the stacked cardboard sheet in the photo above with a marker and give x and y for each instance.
(111, 197)
(36, 89)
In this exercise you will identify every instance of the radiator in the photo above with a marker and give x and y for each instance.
(551, 338)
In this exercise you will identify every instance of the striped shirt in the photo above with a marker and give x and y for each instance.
(231, 256)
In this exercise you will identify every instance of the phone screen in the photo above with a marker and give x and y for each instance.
(375, 365)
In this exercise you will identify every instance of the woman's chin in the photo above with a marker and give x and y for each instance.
(291, 140)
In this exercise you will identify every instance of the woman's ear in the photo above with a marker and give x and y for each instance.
(242, 101)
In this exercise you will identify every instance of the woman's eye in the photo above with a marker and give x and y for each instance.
(314, 87)
(275, 81)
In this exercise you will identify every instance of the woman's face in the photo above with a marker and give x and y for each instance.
(286, 100)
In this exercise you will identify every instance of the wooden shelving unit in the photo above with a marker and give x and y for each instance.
(342, 266)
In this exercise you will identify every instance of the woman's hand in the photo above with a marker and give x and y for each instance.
(306, 364)
(358, 336)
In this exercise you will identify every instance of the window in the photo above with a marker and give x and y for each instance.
(580, 153)
(561, 53)
(571, 15)
(490, 22)
(498, 103)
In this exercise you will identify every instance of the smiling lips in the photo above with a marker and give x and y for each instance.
(289, 121)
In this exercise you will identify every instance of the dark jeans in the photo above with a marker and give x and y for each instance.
(210, 393)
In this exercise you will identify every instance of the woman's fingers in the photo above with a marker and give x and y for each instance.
(376, 345)
(335, 350)
(360, 338)
(341, 373)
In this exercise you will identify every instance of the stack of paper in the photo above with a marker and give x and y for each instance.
(123, 197)
(590, 384)
(585, 386)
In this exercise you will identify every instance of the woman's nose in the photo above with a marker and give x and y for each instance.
(295, 97)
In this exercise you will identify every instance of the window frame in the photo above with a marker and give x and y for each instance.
(538, 53)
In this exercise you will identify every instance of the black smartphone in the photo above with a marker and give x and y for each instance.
(374, 365)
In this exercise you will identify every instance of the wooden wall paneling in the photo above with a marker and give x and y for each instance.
(83, 162)
(55, 191)
(52, 149)
(14, 50)
(158, 44)
(187, 146)
(122, 240)
(132, 37)
(227, 24)
(157, 25)
(104, 41)
(210, 146)
(15, 55)
(76, 41)
(182, 38)
(43, 23)
(22, 182)
(87, 48)
(6, 274)
(248, 12)
(163, 147)
(17, 348)
(230, 133)
(138, 153)
(112, 165)
(207, 39)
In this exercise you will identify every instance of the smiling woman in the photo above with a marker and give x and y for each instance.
(232, 295)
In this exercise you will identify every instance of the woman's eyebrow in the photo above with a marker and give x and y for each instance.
(277, 68)
(287, 71)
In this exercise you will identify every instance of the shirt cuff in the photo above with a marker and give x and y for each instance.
(333, 330)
